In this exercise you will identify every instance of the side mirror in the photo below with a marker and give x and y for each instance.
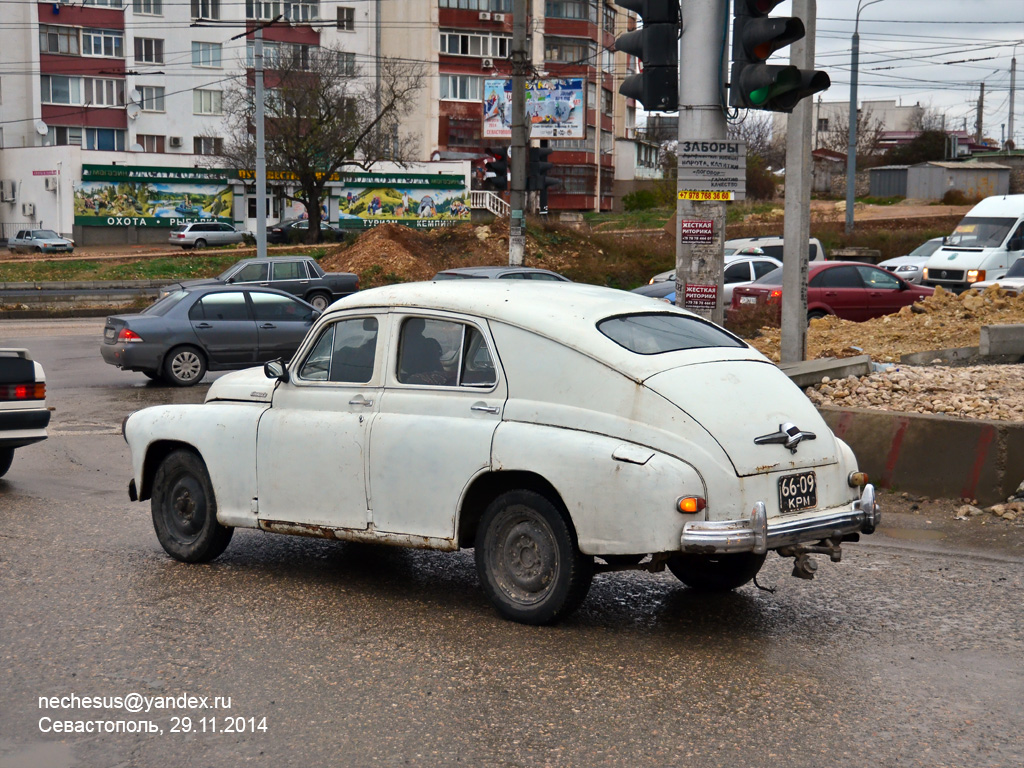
(1015, 244)
(276, 369)
(945, 239)
(229, 281)
(904, 286)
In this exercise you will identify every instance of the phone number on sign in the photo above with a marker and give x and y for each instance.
(694, 195)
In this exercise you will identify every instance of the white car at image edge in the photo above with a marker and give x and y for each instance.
(561, 430)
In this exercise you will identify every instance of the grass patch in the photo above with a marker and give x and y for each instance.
(881, 200)
(737, 212)
(648, 218)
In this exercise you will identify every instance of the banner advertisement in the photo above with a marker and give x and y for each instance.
(118, 196)
(554, 109)
(423, 201)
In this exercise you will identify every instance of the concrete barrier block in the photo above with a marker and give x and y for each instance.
(1002, 340)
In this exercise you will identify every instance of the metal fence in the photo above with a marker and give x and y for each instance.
(9, 230)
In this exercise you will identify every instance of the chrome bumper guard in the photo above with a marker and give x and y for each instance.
(756, 534)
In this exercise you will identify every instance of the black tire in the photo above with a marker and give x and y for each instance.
(154, 375)
(184, 510)
(184, 366)
(6, 457)
(527, 559)
(200, 244)
(716, 573)
(38, 249)
(320, 301)
(816, 314)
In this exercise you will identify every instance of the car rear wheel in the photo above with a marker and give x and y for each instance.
(6, 457)
(816, 314)
(184, 510)
(320, 301)
(527, 559)
(184, 366)
(200, 244)
(716, 573)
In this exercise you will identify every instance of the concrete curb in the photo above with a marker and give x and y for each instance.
(932, 455)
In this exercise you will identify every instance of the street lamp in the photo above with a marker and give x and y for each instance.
(851, 149)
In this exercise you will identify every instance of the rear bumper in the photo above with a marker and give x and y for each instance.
(23, 427)
(132, 357)
(758, 534)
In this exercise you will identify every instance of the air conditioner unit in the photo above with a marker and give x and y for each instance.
(485, 16)
(51, 183)
(488, 63)
(7, 190)
(498, 16)
(28, 209)
(174, 141)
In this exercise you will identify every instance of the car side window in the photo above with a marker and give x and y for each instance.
(289, 270)
(775, 251)
(838, 277)
(542, 276)
(513, 276)
(220, 306)
(763, 268)
(226, 228)
(444, 353)
(878, 278)
(270, 307)
(737, 273)
(344, 353)
(252, 273)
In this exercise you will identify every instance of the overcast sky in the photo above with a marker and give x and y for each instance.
(932, 52)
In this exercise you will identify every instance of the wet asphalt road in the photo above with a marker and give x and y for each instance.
(908, 653)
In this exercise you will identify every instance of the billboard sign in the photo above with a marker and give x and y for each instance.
(422, 201)
(555, 109)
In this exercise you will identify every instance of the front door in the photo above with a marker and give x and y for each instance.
(224, 326)
(311, 444)
(290, 276)
(281, 322)
(432, 435)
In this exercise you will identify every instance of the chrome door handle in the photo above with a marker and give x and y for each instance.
(268, 325)
(485, 408)
(203, 325)
(360, 401)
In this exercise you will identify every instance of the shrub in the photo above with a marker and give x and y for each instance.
(640, 200)
(954, 197)
(747, 320)
(760, 179)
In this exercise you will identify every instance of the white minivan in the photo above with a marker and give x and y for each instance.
(982, 247)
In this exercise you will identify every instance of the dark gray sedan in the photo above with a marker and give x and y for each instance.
(216, 327)
(501, 273)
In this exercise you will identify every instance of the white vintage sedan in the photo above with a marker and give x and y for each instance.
(561, 429)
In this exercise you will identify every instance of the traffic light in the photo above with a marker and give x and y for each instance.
(496, 176)
(656, 44)
(537, 171)
(755, 84)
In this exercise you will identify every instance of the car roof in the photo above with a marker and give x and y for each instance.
(222, 288)
(275, 257)
(491, 271)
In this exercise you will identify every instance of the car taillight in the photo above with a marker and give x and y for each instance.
(127, 334)
(180, 235)
(775, 295)
(34, 391)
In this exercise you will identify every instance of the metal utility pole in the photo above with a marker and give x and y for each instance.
(521, 62)
(979, 126)
(701, 117)
(851, 147)
(1013, 87)
(797, 226)
(261, 148)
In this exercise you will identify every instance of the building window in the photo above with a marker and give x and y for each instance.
(572, 9)
(573, 50)
(464, 44)
(205, 9)
(461, 87)
(346, 19)
(149, 50)
(500, 6)
(463, 132)
(108, 43)
(206, 102)
(207, 145)
(59, 89)
(103, 93)
(609, 19)
(152, 98)
(206, 55)
(346, 64)
(576, 179)
(104, 138)
(304, 10)
(150, 143)
(58, 40)
(104, 3)
(607, 101)
(152, 7)
(59, 136)
(823, 124)
(586, 145)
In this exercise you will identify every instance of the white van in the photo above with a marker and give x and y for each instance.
(982, 247)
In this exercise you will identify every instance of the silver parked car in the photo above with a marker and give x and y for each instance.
(911, 266)
(199, 234)
(40, 241)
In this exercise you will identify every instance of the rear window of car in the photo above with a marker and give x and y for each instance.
(770, 278)
(652, 334)
(164, 305)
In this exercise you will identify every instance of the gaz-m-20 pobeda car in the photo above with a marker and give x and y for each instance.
(546, 425)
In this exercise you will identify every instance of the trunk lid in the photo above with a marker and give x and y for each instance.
(737, 401)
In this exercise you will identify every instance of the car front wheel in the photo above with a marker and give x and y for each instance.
(184, 366)
(527, 559)
(184, 510)
(716, 573)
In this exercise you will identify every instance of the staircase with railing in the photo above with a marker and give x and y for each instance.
(489, 201)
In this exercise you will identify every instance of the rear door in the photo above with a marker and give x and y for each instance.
(281, 324)
(841, 289)
(223, 323)
(289, 275)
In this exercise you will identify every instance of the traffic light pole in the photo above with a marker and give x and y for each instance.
(797, 226)
(521, 61)
(701, 117)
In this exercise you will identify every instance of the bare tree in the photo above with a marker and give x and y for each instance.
(869, 134)
(928, 119)
(322, 115)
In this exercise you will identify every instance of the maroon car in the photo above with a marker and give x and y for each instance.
(846, 289)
